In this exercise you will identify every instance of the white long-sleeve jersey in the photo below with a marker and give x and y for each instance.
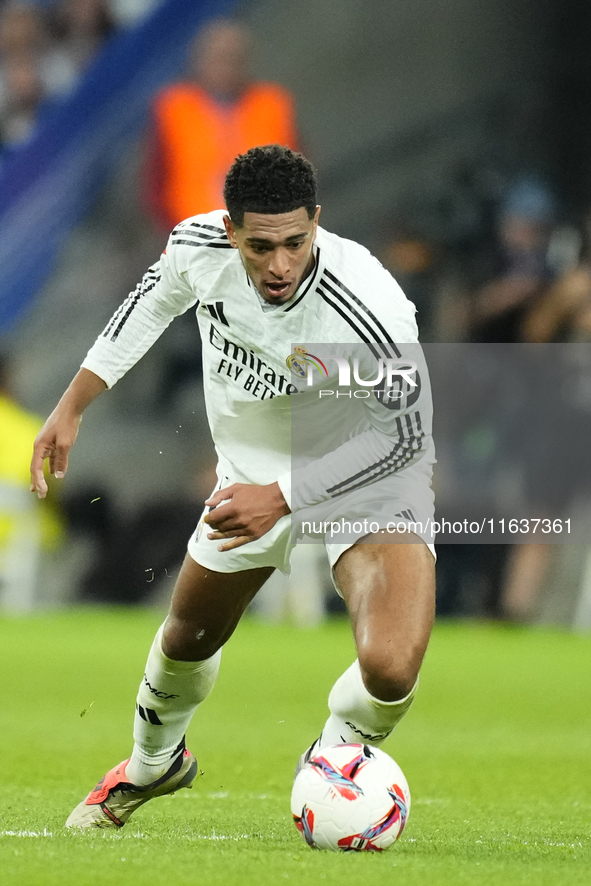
(252, 376)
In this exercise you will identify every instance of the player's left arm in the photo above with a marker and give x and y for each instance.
(398, 409)
(397, 435)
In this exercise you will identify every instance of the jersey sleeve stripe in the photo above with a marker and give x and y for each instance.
(374, 466)
(127, 314)
(348, 320)
(381, 344)
(128, 305)
(185, 232)
(122, 307)
(403, 451)
(208, 227)
(149, 275)
(194, 243)
(382, 331)
(398, 459)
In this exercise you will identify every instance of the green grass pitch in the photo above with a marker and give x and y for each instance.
(496, 750)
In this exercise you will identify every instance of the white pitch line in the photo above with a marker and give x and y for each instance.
(235, 837)
(43, 833)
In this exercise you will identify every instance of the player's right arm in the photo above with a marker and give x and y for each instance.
(58, 434)
(162, 294)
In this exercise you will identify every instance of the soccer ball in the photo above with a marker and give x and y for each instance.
(350, 797)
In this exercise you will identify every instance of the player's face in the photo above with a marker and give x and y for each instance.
(276, 250)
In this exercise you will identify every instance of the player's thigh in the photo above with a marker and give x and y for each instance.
(389, 589)
(206, 606)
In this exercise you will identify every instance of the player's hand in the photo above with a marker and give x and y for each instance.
(54, 441)
(247, 513)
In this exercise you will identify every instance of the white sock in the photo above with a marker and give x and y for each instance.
(356, 716)
(167, 699)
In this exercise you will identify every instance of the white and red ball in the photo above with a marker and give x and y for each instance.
(350, 797)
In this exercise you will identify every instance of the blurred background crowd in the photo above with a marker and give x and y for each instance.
(45, 47)
(453, 140)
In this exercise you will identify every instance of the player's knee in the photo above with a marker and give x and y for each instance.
(185, 641)
(388, 676)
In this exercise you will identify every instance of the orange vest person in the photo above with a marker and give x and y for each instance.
(201, 125)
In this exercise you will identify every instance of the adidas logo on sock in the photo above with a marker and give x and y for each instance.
(149, 715)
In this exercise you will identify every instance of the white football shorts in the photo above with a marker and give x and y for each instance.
(401, 503)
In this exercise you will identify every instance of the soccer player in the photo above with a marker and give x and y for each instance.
(264, 278)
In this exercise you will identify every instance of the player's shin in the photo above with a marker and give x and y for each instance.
(167, 699)
(356, 716)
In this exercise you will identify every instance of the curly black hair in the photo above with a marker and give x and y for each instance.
(270, 179)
